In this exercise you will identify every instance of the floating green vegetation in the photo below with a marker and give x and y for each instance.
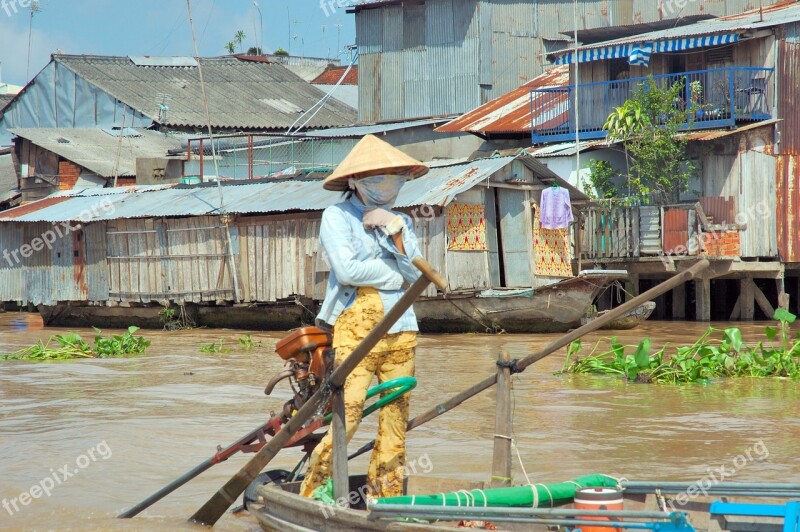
(243, 343)
(217, 347)
(718, 353)
(71, 346)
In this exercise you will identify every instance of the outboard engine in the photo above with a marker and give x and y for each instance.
(309, 357)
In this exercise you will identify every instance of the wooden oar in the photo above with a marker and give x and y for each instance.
(552, 347)
(219, 503)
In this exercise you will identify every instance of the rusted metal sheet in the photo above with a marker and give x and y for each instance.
(510, 113)
(719, 210)
(22, 210)
(676, 230)
(788, 100)
(788, 206)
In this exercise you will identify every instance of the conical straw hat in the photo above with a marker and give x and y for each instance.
(372, 156)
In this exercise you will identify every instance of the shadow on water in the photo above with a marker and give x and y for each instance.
(162, 413)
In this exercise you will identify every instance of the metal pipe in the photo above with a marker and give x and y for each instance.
(628, 484)
(491, 510)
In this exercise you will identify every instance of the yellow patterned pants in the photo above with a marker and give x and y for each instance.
(393, 357)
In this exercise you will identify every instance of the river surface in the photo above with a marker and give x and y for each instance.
(124, 428)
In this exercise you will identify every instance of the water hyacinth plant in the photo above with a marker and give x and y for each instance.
(72, 346)
(717, 353)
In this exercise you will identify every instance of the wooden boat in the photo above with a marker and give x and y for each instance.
(553, 308)
(557, 307)
(629, 320)
(660, 504)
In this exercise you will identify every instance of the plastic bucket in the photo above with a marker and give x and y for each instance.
(598, 499)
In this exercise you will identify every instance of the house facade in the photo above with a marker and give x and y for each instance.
(440, 57)
(739, 80)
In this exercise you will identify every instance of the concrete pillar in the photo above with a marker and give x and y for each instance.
(702, 290)
(747, 298)
(679, 302)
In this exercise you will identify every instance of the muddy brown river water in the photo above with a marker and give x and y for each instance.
(124, 428)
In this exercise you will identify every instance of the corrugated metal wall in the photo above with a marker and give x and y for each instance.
(55, 272)
(788, 166)
(788, 206)
(60, 98)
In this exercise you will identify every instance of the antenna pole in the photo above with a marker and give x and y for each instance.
(577, 116)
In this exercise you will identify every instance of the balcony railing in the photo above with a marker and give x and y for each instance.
(718, 97)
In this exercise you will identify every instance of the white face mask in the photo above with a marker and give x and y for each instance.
(380, 190)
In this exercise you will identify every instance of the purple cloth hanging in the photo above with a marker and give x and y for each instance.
(556, 209)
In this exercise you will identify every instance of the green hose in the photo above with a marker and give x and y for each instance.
(401, 386)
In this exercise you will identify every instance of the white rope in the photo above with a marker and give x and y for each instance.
(485, 502)
(519, 457)
(444, 499)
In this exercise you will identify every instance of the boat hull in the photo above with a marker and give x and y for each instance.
(550, 309)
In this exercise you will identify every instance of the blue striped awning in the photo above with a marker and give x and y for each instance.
(633, 51)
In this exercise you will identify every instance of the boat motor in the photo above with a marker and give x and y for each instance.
(309, 357)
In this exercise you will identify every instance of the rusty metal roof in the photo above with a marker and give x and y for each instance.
(713, 134)
(333, 74)
(509, 113)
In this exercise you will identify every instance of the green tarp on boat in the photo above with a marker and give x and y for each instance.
(529, 496)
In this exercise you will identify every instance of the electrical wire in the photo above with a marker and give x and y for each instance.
(319, 105)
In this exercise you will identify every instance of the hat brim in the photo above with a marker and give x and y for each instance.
(338, 181)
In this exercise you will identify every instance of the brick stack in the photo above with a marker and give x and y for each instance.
(68, 174)
(720, 244)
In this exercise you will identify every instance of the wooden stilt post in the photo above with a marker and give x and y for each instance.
(763, 303)
(632, 286)
(501, 464)
(747, 298)
(702, 288)
(679, 302)
(783, 296)
(341, 479)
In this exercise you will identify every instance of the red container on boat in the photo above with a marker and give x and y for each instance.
(598, 499)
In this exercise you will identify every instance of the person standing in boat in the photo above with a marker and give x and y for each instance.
(369, 249)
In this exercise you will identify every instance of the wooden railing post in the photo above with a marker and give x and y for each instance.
(341, 478)
(501, 463)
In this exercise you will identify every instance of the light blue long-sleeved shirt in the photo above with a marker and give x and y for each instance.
(358, 257)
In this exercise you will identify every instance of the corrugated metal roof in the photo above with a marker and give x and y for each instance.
(97, 150)
(438, 187)
(510, 113)
(5, 99)
(334, 74)
(237, 91)
(774, 15)
(713, 134)
(566, 149)
(373, 129)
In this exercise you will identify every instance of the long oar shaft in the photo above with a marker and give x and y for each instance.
(554, 346)
(219, 503)
(166, 490)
